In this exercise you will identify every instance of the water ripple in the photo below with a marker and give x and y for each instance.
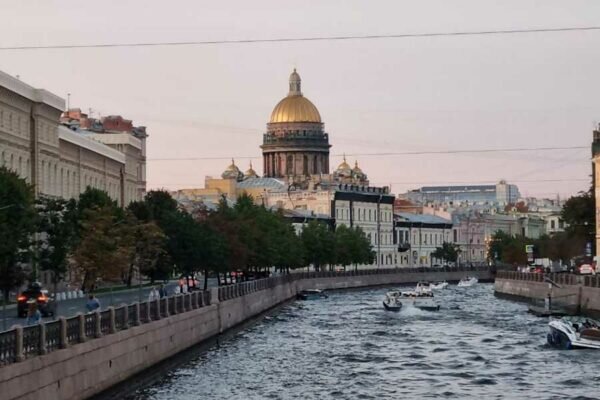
(348, 347)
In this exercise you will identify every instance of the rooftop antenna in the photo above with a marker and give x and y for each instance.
(68, 101)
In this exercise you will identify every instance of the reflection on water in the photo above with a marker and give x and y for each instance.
(348, 347)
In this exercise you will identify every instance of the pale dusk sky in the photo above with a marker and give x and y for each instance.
(388, 95)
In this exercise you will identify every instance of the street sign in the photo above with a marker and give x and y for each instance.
(529, 248)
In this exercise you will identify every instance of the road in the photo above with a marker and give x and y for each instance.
(68, 308)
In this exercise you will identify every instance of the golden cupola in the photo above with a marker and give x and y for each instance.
(295, 107)
(295, 146)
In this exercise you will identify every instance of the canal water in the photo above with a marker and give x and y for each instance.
(347, 347)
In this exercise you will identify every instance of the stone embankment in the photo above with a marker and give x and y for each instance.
(78, 357)
(574, 293)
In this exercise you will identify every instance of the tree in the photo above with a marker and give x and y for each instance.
(448, 252)
(56, 236)
(579, 213)
(319, 243)
(149, 251)
(508, 249)
(17, 225)
(104, 250)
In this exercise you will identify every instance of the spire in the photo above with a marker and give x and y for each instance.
(295, 82)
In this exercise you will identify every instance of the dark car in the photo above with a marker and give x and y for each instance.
(46, 303)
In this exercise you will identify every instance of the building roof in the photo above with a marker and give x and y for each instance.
(267, 183)
(421, 218)
(465, 188)
(38, 95)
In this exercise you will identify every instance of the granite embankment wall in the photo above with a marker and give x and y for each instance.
(575, 293)
(82, 356)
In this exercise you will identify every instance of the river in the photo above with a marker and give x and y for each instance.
(348, 347)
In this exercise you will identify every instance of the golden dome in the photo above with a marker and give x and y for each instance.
(295, 107)
(250, 173)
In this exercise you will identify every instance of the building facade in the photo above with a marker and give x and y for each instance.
(417, 236)
(56, 160)
(502, 193)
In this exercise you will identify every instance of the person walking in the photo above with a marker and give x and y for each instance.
(33, 314)
(154, 294)
(162, 292)
(92, 304)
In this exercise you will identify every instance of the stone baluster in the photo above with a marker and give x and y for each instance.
(138, 317)
(97, 324)
(63, 341)
(19, 356)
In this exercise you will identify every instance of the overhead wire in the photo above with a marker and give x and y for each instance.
(402, 153)
(303, 39)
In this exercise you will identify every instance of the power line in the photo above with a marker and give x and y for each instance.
(405, 153)
(305, 39)
(445, 183)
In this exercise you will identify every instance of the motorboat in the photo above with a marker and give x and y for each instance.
(311, 294)
(423, 288)
(574, 332)
(438, 285)
(467, 281)
(421, 297)
(391, 301)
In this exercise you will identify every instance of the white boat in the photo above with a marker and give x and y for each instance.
(391, 302)
(438, 285)
(421, 297)
(574, 333)
(467, 281)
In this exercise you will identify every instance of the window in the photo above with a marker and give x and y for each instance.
(552, 224)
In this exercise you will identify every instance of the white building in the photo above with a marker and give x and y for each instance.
(417, 236)
(58, 161)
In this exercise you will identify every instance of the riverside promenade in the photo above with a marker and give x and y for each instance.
(576, 294)
(78, 357)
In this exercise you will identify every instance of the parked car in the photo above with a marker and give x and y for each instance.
(585, 269)
(437, 266)
(45, 301)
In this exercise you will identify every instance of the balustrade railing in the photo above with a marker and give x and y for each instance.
(30, 341)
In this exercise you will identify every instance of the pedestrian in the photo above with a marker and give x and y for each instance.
(33, 314)
(162, 292)
(92, 304)
(154, 295)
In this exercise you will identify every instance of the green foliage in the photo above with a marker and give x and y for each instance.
(56, 229)
(17, 225)
(579, 213)
(104, 249)
(319, 243)
(448, 252)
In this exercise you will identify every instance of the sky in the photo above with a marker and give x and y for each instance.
(374, 96)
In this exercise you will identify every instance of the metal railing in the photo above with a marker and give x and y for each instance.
(23, 342)
(559, 279)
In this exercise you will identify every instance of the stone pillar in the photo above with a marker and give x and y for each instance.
(138, 319)
(19, 356)
(64, 340)
(214, 295)
(158, 316)
(97, 324)
(125, 317)
(167, 306)
(112, 324)
(42, 328)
